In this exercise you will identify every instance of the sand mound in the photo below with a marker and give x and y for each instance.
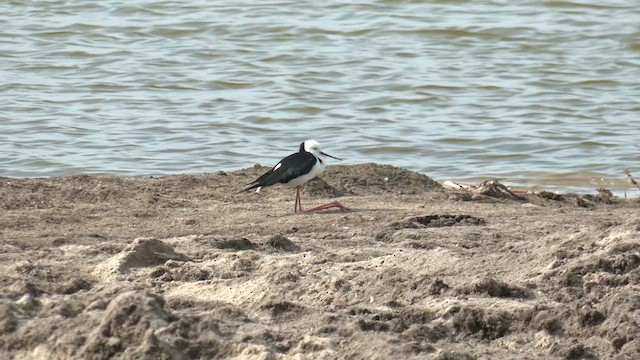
(361, 179)
(370, 179)
(143, 252)
(131, 325)
(281, 243)
(318, 188)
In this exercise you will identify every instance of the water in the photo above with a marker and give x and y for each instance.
(537, 93)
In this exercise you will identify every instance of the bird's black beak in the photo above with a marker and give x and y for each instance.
(333, 157)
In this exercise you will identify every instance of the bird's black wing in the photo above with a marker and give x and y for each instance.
(289, 168)
(262, 177)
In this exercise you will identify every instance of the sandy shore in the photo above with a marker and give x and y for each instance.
(183, 267)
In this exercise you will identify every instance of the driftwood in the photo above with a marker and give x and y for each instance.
(491, 188)
(495, 189)
(633, 181)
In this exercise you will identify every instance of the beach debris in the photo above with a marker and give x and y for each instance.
(494, 188)
(491, 188)
(585, 201)
(457, 186)
(550, 195)
(604, 196)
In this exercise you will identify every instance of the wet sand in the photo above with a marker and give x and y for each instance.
(183, 267)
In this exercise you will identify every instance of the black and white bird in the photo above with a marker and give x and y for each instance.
(295, 170)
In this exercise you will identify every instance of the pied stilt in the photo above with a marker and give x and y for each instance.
(295, 170)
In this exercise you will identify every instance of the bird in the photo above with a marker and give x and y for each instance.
(295, 170)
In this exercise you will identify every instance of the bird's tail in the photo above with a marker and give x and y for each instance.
(259, 182)
(251, 187)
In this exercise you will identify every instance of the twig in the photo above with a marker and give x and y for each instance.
(633, 181)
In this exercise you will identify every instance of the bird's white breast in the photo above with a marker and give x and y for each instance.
(316, 170)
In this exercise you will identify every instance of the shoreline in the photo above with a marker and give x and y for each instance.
(183, 266)
(620, 187)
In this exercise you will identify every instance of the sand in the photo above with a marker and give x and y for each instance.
(183, 267)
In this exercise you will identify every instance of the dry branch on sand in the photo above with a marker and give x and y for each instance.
(633, 181)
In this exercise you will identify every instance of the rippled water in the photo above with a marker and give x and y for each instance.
(533, 92)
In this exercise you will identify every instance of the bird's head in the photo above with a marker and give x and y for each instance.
(312, 146)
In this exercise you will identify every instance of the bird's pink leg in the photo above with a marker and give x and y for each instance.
(298, 204)
(325, 206)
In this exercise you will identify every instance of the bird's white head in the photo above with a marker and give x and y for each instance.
(312, 146)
